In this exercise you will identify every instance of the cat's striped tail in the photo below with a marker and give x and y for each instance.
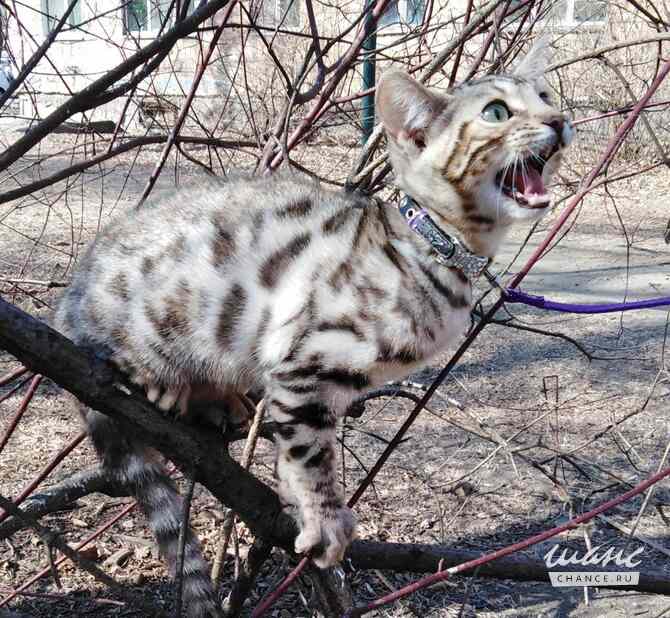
(131, 463)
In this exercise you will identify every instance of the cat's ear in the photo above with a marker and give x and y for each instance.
(406, 108)
(535, 63)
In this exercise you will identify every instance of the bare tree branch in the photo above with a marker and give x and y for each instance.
(94, 94)
(125, 146)
(37, 56)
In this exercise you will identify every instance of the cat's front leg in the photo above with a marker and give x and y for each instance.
(306, 466)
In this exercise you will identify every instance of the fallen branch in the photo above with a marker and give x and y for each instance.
(62, 495)
(662, 586)
(418, 558)
(46, 284)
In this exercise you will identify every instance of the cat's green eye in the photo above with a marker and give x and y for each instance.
(496, 112)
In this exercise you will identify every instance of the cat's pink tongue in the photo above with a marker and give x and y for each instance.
(529, 182)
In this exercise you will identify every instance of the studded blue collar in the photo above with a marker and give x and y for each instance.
(448, 251)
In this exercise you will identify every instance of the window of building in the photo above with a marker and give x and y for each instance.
(283, 13)
(145, 15)
(513, 16)
(390, 16)
(4, 27)
(53, 10)
(589, 12)
(405, 12)
(414, 11)
(575, 13)
(288, 12)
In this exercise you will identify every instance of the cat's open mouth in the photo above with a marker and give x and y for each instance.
(523, 182)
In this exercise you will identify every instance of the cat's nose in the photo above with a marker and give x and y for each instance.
(563, 130)
(557, 125)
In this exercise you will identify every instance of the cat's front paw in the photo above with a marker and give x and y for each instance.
(327, 537)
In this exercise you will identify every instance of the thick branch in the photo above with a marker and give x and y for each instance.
(97, 384)
(109, 154)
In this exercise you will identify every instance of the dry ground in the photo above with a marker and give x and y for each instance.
(445, 484)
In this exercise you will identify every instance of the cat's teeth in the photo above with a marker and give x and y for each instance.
(536, 198)
(532, 200)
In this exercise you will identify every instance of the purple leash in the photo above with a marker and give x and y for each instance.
(516, 296)
(452, 253)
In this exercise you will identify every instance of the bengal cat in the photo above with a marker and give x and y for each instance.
(310, 296)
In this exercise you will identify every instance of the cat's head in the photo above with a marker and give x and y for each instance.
(482, 154)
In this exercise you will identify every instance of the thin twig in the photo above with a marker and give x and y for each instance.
(181, 545)
(27, 398)
(174, 133)
(81, 545)
(247, 457)
(56, 459)
(51, 539)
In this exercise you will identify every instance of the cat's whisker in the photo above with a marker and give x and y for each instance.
(500, 191)
(537, 157)
(524, 173)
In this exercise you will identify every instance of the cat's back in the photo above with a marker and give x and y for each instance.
(158, 271)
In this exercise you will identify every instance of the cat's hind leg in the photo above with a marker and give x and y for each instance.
(222, 406)
(134, 465)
